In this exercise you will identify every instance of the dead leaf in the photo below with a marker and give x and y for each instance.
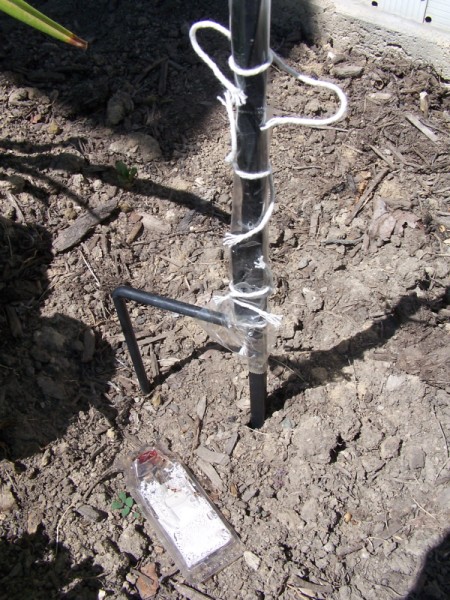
(147, 583)
(386, 223)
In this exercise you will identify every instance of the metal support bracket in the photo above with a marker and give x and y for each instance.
(123, 293)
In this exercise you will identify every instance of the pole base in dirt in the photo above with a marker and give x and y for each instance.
(258, 393)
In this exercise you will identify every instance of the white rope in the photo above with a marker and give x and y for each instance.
(249, 72)
(231, 239)
(238, 95)
(227, 101)
(314, 82)
(236, 296)
(234, 97)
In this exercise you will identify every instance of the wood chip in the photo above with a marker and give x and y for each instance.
(231, 443)
(422, 128)
(367, 195)
(201, 407)
(211, 473)
(88, 345)
(76, 232)
(217, 458)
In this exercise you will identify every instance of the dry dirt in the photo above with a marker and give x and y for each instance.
(344, 494)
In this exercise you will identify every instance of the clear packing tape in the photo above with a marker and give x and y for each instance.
(245, 304)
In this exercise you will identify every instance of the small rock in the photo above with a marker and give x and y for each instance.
(90, 513)
(415, 457)
(34, 520)
(370, 437)
(46, 457)
(88, 345)
(314, 440)
(7, 500)
(53, 128)
(132, 542)
(346, 71)
(249, 494)
(148, 581)
(154, 224)
(390, 448)
(380, 97)
(287, 423)
(303, 263)
(211, 473)
(52, 388)
(119, 106)
(18, 96)
(137, 145)
(252, 560)
(314, 301)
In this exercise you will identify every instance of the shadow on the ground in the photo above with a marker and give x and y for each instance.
(433, 582)
(343, 354)
(33, 567)
(141, 48)
(50, 367)
(40, 161)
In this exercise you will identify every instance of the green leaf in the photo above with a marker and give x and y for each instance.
(129, 502)
(136, 515)
(27, 14)
(122, 496)
(122, 169)
(116, 504)
(125, 511)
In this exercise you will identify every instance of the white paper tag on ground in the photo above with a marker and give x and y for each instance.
(189, 521)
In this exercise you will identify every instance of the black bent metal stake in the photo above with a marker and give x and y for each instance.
(250, 42)
(250, 32)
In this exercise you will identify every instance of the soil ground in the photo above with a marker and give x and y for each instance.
(344, 494)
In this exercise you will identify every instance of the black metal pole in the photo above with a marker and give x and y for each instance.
(124, 292)
(250, 41)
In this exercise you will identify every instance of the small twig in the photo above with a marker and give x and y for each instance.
(90, 269)
(424, 510)
(61, 519)
(443, 433)
(367, 194)
(162, 85)
(387, 160)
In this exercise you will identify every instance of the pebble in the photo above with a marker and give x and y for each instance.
(252, 560)
(390, 447)
(46, 457)
(132, 542)
(346, 71)
(314, 302)
(90, 513)
(415, 457)
(7, 500)
(137, 145)
(314, 439)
